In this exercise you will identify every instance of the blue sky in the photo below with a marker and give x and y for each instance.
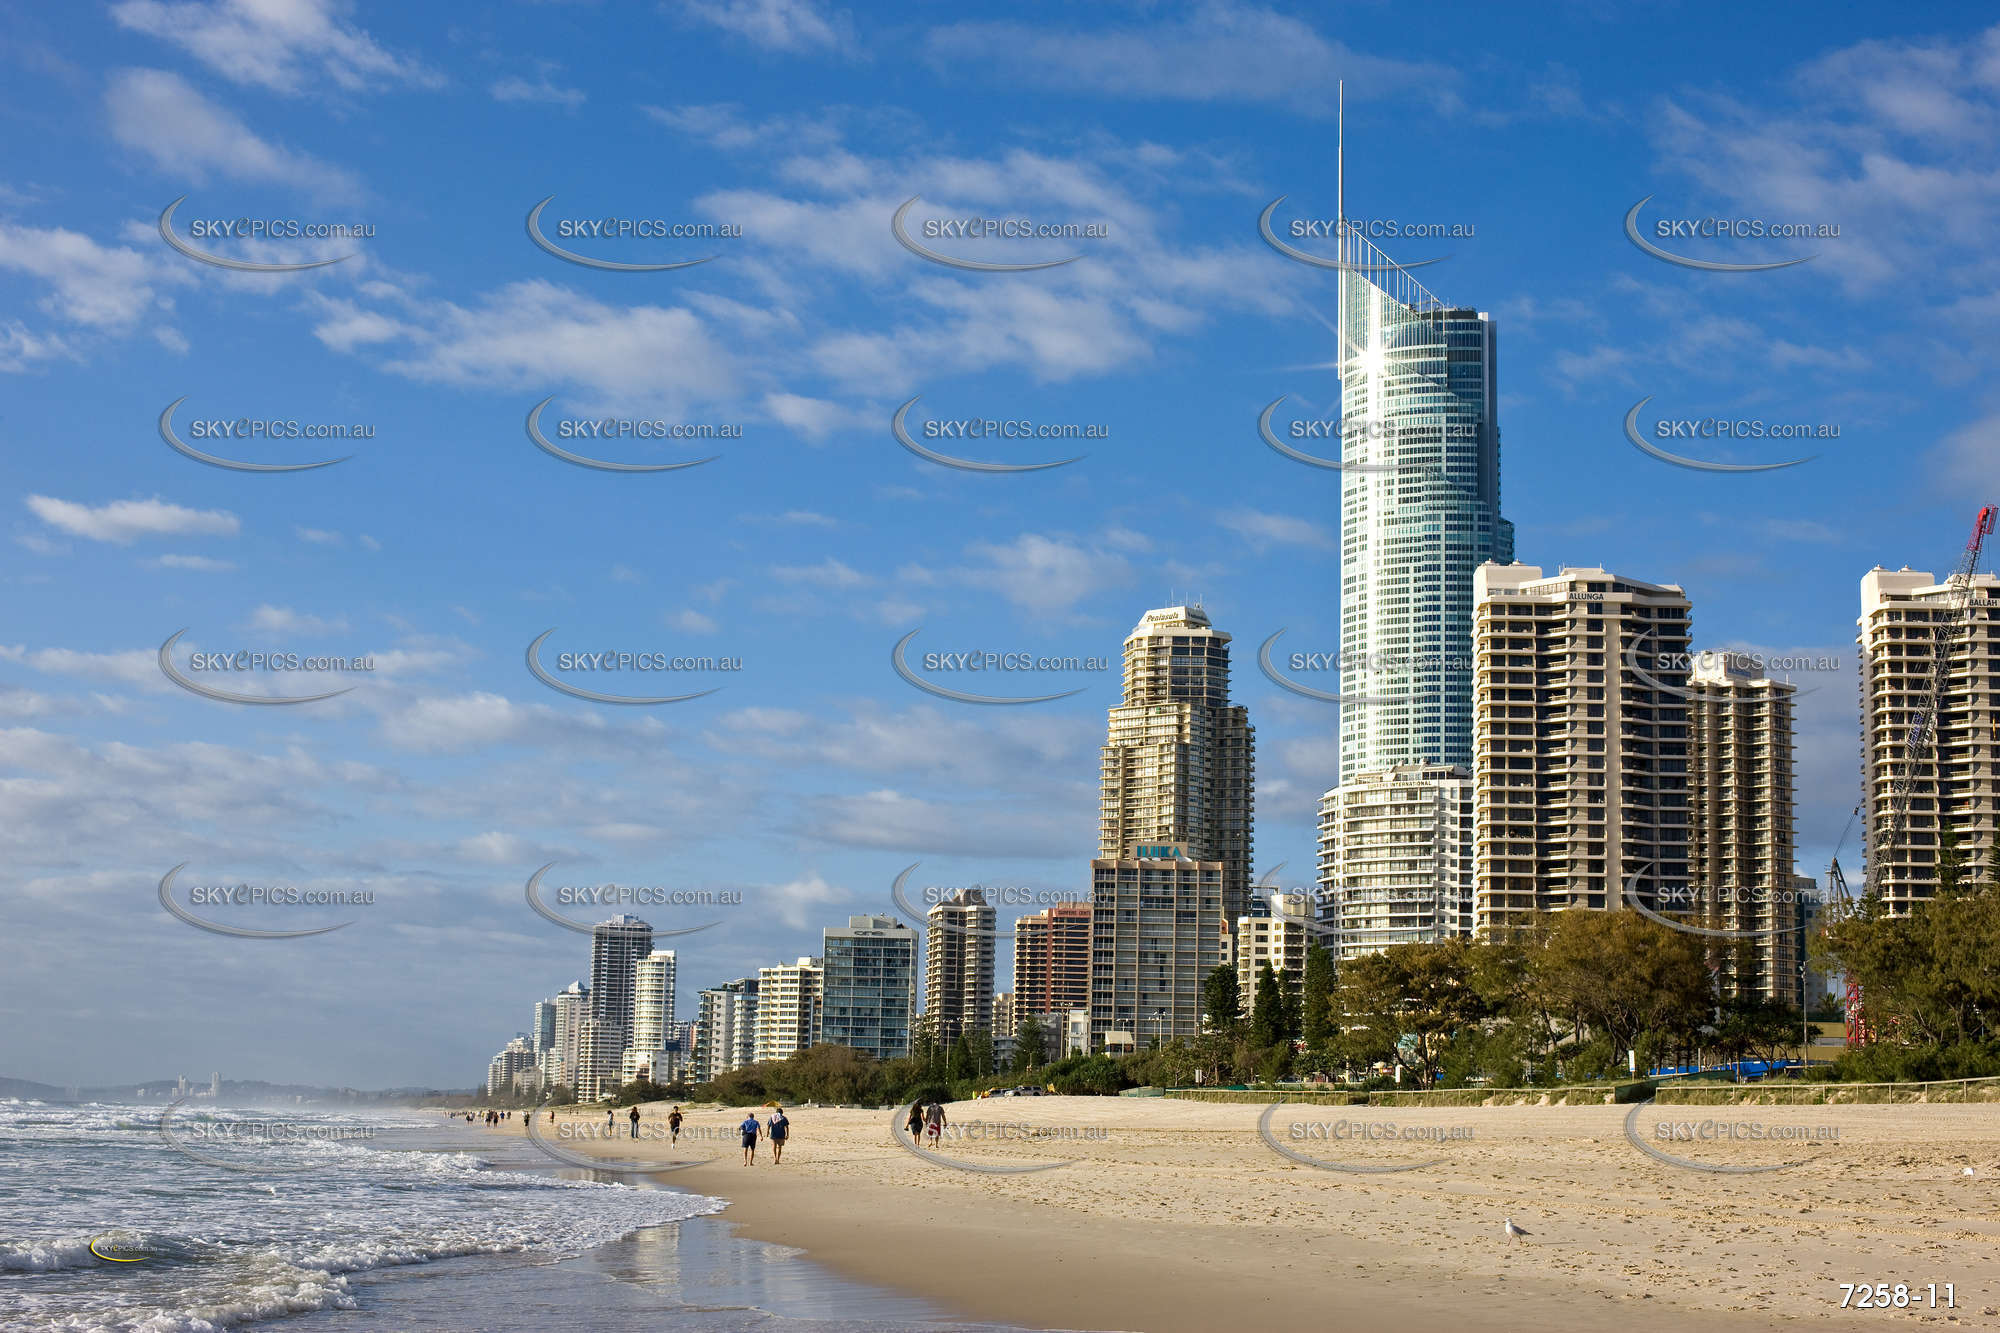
(448, 542)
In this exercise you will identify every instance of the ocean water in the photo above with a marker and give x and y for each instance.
(113, 1219)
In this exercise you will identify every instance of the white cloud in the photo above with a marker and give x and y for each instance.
(1043, 574)
(722, 125)
(1262, 531)
(692, 622)
(319, 536)
(122, 521)
(798, 902)
(517, 89)
(828, 573)
(814, 418)
(139, 666)
(1968, 459)
(536, 333)
(276, 44)
(200, 563)
(21, 348)
(1218, 52)
(188, 136)
(282, 620)
(97, 286)
(776, 25)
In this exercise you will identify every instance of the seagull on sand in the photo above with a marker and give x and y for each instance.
(1514, 1233)
(1968, 1173)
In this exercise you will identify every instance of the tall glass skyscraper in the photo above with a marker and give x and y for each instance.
(1418, 515)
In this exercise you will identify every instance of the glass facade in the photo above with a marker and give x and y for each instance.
(1420, 513)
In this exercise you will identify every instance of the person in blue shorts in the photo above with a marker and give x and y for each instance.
(780, 1130)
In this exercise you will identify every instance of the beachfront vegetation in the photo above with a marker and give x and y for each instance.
(1562, 1001)
(1930, 984)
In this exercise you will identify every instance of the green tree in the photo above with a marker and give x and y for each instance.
(1267, 1012)
(1405, 1005)
(959, 1066)
(1634, 982)
(1951, 860)
(1028, 1044)
(979, 1042)
(834, 1075)
(924, 1047)
(1316, 997)
(1221, 1002)
(1759, 1029)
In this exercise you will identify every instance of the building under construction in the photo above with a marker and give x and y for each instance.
(1902, 613)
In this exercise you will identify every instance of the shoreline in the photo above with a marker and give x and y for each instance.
(1173, 1215)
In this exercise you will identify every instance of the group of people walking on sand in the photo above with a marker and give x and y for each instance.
(927, 1119)
(778, 1127)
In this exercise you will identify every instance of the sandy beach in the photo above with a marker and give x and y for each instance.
(1179, 1215)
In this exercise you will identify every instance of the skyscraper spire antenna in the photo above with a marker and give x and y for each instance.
(1340, 162)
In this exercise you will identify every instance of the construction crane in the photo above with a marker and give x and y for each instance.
(1948, 627)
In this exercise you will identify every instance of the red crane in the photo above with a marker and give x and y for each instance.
(1948, 627)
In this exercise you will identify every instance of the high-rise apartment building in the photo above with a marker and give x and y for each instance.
(559, 1061)
(653, 1031)
(869, 985)
(616, 946)
(1396, 858)
(1278, 937)
(1900, 610)
(725, 1029)
(1157, 931)
(1420, 512)
(1581, 742)
(958, 966)
(1179, 761)
(542, 1033)
(1740, 839)
(1052, 959)
(788, 1014)
(600, 1055)
(501, 1072)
